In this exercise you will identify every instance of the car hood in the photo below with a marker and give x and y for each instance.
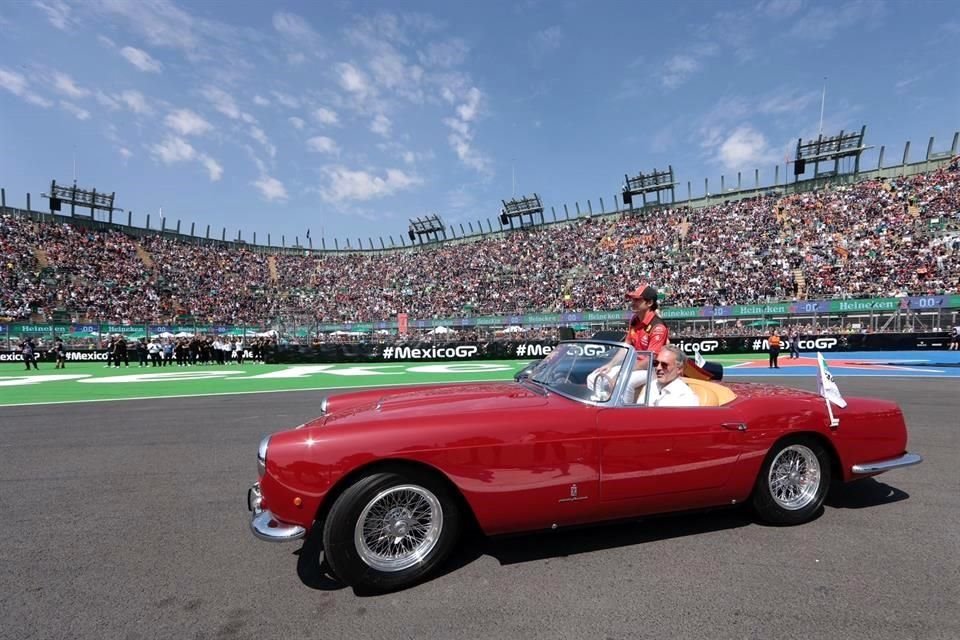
(440, 400)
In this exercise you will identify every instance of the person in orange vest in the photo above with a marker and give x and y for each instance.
(774, 342)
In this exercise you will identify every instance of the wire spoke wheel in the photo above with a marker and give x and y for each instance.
(794, 478)
(398, 528)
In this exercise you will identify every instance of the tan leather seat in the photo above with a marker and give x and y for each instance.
(711, 394)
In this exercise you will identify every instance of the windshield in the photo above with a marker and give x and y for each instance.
(587, 371)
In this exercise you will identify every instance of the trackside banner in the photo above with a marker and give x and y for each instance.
(88, 355)
(534, 349)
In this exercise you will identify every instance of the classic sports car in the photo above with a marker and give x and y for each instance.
(385, 479)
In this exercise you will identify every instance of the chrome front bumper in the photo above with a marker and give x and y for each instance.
(880, 466)
(263, 523)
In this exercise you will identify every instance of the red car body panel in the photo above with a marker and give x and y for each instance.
(524, 459)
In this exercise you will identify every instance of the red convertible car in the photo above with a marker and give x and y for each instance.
(385, 479)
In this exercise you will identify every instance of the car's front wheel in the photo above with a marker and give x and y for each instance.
(389, 530)
(793, 482)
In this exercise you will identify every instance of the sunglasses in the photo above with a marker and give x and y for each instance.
(658, 364)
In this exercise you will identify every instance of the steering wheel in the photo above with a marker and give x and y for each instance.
(603, 387)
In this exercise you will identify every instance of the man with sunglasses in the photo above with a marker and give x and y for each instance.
(669, 390)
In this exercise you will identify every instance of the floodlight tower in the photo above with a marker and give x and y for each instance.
(429, 227)
(655, 182)
(519, 208)
(823, 149)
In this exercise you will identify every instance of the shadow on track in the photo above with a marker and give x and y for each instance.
(863, 494)
(531, 547)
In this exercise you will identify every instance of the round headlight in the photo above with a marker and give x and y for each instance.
(262, 455)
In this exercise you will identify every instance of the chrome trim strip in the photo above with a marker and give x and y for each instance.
(905, 460)
(262, 455)
(266, 527)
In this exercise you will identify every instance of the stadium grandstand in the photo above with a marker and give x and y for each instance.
(887, 233)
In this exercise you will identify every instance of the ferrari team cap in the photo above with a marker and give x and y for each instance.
(643, 292)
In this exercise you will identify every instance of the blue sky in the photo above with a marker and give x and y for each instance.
(350, 118)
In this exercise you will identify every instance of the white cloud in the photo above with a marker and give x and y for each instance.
(260, 101)
(175, 149)
(325, 116)
(58, 12)
(65, 85)
(19, 86)
(286, 100)
(353, 80)
(345, 184)
(296, 58)
(322, 144)
(677, 69)
(381, 125)
(225, 104)
(214, 169)
(135, 101)
(469, 110)
(744, 148)
(107, 42)
(257, 134)
(106, 100)
(187, 123)
(159, 21)
(74, 110)
(293, 26)
(824, 23)
(270, 188)
(390, 70)
(461, 136)
(780, 8)
(141, 60)
(125, 153)
(297, 123)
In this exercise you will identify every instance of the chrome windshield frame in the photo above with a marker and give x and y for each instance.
(623, 378)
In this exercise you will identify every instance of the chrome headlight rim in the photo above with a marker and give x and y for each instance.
(262, 455)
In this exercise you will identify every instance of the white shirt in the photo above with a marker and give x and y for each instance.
(675, 394)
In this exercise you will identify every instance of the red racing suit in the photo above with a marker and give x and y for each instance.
(648, 333)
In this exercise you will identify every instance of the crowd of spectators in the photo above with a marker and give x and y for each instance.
(872, 238)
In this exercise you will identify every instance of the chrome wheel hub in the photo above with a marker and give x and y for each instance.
(794, 478)
(398, 528)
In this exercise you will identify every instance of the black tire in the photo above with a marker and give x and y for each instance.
(772, 510)
(342, 553)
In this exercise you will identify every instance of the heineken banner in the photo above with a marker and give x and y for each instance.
(782, 309)
(534, 349)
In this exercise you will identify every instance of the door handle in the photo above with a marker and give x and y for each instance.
(734, 426)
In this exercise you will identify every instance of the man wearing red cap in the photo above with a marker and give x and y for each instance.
(647, 332)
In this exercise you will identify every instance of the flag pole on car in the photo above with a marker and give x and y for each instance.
(828, 389)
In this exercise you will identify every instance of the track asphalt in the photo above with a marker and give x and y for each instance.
(128, 520)
(92, 382)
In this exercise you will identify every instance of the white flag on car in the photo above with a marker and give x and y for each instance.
(697, 358)
(826, 386)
